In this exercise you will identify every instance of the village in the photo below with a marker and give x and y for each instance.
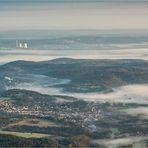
(83, 117)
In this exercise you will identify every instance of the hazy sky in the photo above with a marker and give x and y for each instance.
(73, 14)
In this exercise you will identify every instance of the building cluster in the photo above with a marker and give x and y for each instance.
(69, 114)
(7, 106)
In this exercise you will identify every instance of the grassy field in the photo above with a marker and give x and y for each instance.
(24, 135)
(34, 122)
(4, 98)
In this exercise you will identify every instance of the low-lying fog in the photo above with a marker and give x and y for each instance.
(137, 142)
(43, 55)
(125, 94)
(142, 112)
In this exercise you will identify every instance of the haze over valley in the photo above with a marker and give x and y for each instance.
(110, 88)
(74, 73)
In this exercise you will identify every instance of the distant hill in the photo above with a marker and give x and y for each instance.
(85, 75)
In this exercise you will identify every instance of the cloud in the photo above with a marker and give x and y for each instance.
(42, 55)
(66, 15)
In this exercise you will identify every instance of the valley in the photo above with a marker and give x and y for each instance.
(63, 101)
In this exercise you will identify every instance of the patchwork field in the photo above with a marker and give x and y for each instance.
(34, 122)
(25, 135)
